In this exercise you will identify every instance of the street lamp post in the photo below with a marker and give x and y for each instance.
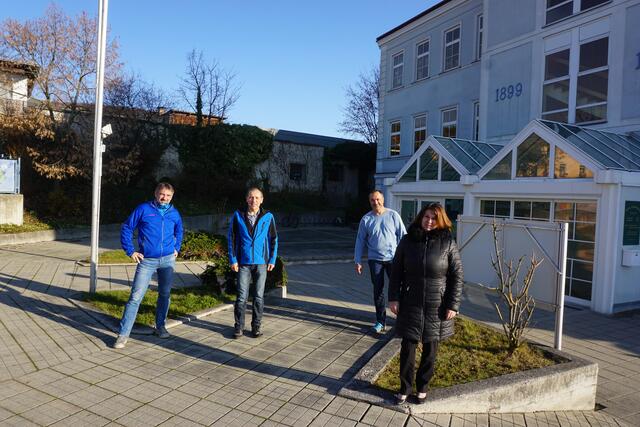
(98, 146)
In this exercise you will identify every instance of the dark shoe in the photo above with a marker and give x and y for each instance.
(256, 332)
(401, 399)
(421, 399)
(162, 332)
(237, 333)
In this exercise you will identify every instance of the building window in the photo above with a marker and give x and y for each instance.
(422, 60)
(428, 165)
(448, 173)
(555, 90)
(297, 172)
(593, 82)
(533, 158)
(536, 211)
(560, 9)
(495, 208)
(452, 48)
(476, 121)
(398, 67)
(411, 173)
(450, 122)
(566, 166)
(590, 77)
(419, 131)
(631, 229)
(394, 146)
(479, 29)
(502, 170)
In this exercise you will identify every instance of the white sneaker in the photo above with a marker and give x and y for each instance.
(120, 342)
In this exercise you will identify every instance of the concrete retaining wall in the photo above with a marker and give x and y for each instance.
(568, 386)
(11, 209)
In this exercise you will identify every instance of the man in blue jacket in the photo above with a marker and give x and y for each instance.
(253, 248)
(159, 228)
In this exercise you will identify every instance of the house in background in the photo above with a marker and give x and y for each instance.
(16, 84)
(299, 163)
(527, 110)
(178, 117)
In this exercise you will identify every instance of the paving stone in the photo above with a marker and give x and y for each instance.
(39, 378)
(88, 397)
(24, 401)
(347, 408)
(121, 383)
(82, 419)
(382, 417)
(235, 418)
(174, 401)
(11, 388)
(179, 422)
(261, 405)
(115, 407)
(144, 416)
(50, 412)
(17, 420)
(200, 387)
(313, 399)
(205, 412)
(64, 386)
(326, 420)
(96, 374)
(229, 396)
(146, 392)
(281, 390)
(173, 379)
(250, 382)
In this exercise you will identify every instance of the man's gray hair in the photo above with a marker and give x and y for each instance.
(164, 186)
(252, 189)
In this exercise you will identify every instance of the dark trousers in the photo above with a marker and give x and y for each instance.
(378, 270)
(408, 361)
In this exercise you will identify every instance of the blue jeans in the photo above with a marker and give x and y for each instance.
(164, 266)
(256, 273)
(378, 269)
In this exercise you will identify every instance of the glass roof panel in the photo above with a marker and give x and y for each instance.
(457, 152)
(586, 147)
(611, 150)
(411, 173)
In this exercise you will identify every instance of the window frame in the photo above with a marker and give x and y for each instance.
(393, 133)
(445, 45)
(476, 120)
(303, 172)
(393, 70)
(589, 72)
(576, 8)
(479, 35)
(416, 129)
(443, 123)
(554, 80)
(426, 41)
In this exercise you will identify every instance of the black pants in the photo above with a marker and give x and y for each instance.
(408, 361)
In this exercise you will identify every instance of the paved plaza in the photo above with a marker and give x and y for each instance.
(57, 367)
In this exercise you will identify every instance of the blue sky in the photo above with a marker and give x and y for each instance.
(294, 59)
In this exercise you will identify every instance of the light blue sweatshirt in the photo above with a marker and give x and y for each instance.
(380, 234)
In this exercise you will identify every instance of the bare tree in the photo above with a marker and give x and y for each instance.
(361, 112)
(519, 304)
(207, 88)
(64, 49)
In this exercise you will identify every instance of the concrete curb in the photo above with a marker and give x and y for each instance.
(115, 264)
(568, 386)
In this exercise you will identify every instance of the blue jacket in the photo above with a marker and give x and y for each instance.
(158, 235)
(253, 245)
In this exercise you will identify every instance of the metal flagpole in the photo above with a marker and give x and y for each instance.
(564, 233)
(98, 148)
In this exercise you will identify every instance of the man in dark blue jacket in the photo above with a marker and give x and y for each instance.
(159, 228)
(253, 248)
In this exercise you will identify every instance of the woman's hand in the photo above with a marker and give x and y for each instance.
(450, 314)
(393, 306)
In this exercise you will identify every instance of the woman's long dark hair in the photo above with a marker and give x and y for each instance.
(442, 220)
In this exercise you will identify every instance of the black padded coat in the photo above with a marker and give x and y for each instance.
(426, 280)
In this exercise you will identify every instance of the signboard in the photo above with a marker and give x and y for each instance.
(9, 176)
(631, 230)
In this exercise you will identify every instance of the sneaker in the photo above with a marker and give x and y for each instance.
(378, 328)
(421, 397)
(162, 333)
(400, 399)
(256, 332)
(237, 333)
(121, 341)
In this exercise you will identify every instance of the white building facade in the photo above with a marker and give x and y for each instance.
(504, 72)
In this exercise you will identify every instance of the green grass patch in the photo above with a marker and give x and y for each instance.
(183, 301)
(475, 352)
(31, 223)
(113, 257)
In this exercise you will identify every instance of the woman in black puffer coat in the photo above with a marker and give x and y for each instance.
(424, 292)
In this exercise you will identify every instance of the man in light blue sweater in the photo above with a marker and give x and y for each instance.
(379, 232)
